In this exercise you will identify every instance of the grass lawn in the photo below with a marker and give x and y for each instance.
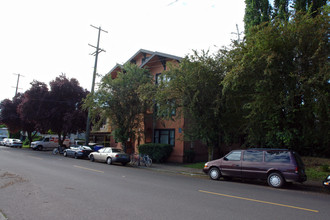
(316, 168)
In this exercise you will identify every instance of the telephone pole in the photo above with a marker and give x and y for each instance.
(238, 34)
(18, 75)
(96, 53)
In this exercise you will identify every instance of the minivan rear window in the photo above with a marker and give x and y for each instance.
(277, 156)
(253, 156)
(298, 160)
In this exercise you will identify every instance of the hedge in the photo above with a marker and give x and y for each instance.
(158, 152)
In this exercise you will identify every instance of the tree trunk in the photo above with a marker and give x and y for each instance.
(60, 142)
(210, 151)
(29, 133)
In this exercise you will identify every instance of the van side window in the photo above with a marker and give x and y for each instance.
(277, 156)
(46, 140)
(253, 156)
(235, 155)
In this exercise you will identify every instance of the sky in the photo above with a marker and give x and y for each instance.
(42, 39)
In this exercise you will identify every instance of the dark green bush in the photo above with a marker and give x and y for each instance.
(325, 168)
(158, 152)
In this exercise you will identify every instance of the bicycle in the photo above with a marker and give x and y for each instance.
(134, 159)
(139, 160)
(58, 150)
(146, 160)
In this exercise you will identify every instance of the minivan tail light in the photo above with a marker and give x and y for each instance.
(296, 170)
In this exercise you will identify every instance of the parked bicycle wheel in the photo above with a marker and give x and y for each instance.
(134, 159)
(147, 161)
(55, 151)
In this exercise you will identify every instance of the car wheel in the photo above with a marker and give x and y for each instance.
(91, 158)
(275, 180)
(124, 164)
(65, 153)
(40, 148)
(75, 156)
(214, 173)
(109, 161)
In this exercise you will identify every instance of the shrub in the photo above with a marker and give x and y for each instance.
(325, 168)
(158, 152)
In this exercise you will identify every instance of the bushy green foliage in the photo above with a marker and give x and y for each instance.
(122, 100)
(284, 75)
(157, 152)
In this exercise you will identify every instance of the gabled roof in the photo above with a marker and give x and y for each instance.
(118, 66)
(153, 54)
(137, 53)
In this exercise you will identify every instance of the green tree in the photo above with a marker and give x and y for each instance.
(256, 13)
(123, 100)
(284, 74)
(313, 6)
(194, 89)
(281, 9)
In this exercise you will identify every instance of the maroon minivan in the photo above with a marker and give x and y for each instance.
(277, 166)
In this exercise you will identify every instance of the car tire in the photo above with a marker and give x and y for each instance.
(214, 173)
(275, 180)
(109, 161)
(40, 148)
(65, 153)
(124, 164)
(75, 156)
(91, 158)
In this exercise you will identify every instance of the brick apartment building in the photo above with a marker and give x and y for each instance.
(156, 131)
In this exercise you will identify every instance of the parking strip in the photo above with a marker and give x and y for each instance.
(259, 201)
(85, 168)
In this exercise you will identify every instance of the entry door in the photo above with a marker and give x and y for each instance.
(232, 165)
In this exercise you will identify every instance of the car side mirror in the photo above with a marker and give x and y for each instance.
(225, 158)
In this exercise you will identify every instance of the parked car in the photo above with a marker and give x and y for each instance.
(6, 142)
(326, 182)
(277, 166)
(77, 152)
(95, 146)
(3, 141)
(49, 143)
(15, 143)
(110, 155)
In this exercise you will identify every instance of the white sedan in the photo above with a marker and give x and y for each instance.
(110, 155)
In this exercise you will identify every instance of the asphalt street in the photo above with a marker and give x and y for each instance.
(39, 185)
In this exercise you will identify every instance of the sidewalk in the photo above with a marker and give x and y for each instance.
(309, 185)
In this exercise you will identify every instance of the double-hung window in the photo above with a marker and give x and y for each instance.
(164, 136)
